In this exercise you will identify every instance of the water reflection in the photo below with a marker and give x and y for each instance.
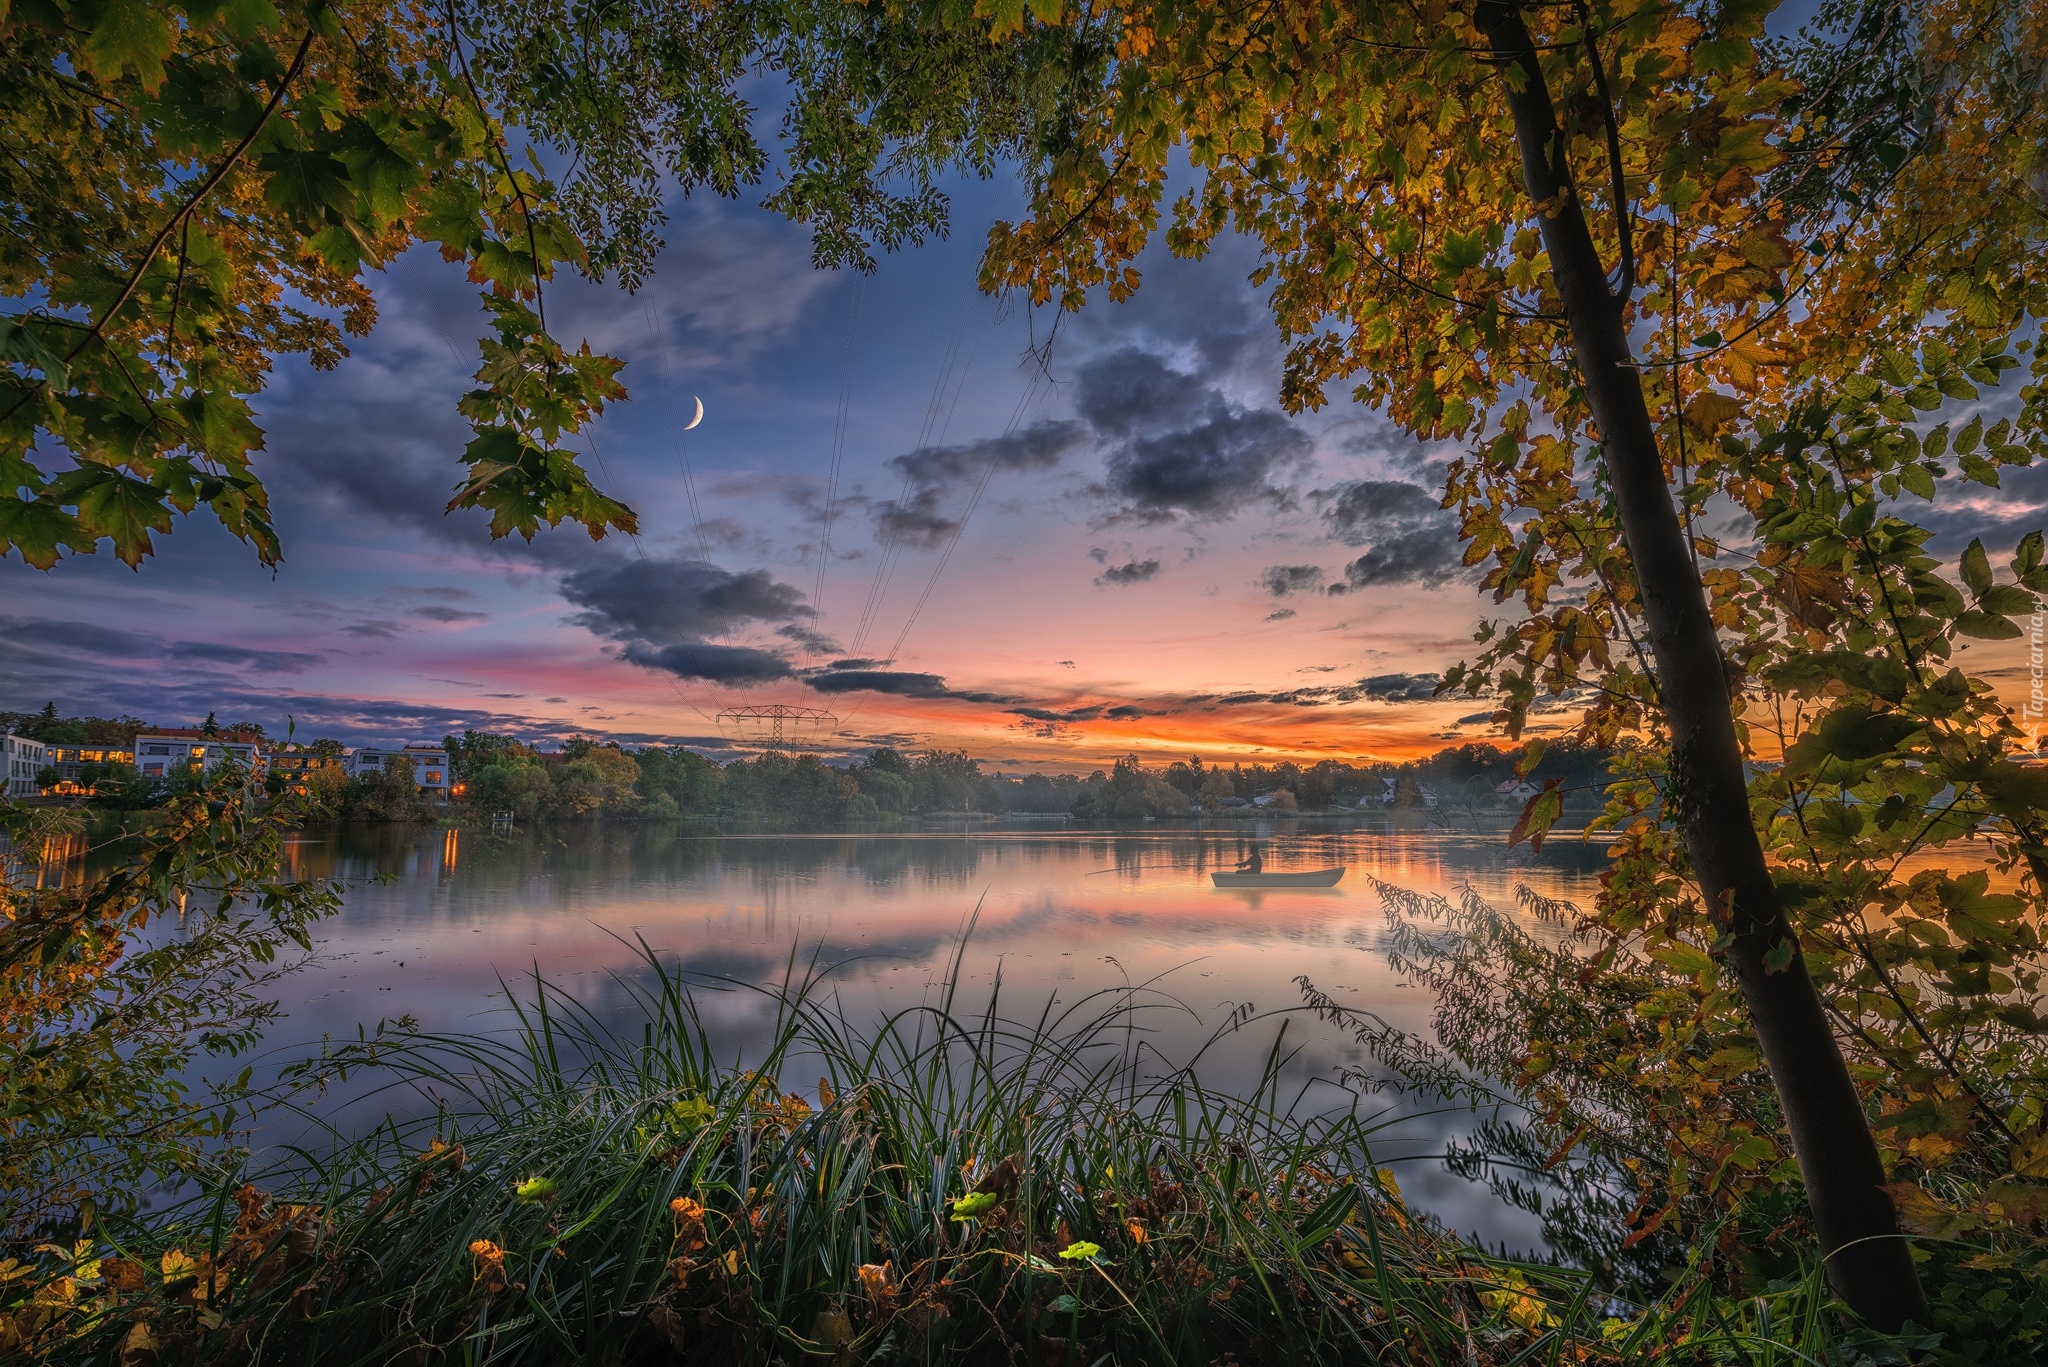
(436, 922)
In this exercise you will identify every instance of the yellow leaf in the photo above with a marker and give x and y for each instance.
(1708, 411)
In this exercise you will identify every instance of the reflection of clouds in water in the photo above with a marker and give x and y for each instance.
(1061, 915)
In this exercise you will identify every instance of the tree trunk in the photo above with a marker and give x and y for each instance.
(1869, 1265)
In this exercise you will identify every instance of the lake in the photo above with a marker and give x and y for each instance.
(436, 921)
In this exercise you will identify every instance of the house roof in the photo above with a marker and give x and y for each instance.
(195, 733)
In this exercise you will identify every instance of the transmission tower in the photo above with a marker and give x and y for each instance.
(777, 727)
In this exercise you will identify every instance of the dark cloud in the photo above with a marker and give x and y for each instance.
(1179, 447)
(372, 630)
(900, 683)
(47, 639)
(1060, 715)
(1409, 538)
(1280, 616)
(1136, 572)
(436, 612)
(664, 609)
(445, 592)
(1399, 687)
(739, 665)
(938, 480)
(1281, 580)
(668, 600)
(106, 672)
(1417, 558)
(1359, 511)
(814, 642)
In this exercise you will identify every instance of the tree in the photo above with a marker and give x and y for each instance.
(392, 793)
(1611, 250)
(197, 189)
(99, 1026)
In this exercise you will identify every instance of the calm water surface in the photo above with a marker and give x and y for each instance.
(434, 922)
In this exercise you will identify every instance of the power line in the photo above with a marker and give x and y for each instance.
(838, 452)
(1016, 416)
(938, 405)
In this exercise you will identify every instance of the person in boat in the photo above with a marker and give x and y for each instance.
(1254, 862)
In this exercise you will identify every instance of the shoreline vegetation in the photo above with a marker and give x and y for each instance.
(500, 778)
(957, 1187)
(949, 1183)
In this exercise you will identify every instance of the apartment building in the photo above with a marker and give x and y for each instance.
(73, 761)
(164, 751)
(21, 759)
(295, 768)
(429, 765)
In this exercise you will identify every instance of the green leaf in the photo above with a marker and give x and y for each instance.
(1917, 480)
(1978, 469)
(130, 36)
(1779, 957)
(2026, 557)
(1683, 958)
(1976, 568)
(1897, 369)
(1956, 387)
(40, 530)
(974, 1203)
(20, 344)
(1460, 252)
(2007, 601)
(305, 185)
(112, 504)
(1967, 439)
(1852, 736)
(1986, 627)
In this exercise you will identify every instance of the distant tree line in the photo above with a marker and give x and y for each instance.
(587, 778)
(497, 773)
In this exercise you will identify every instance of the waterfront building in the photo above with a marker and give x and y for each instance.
(429, 765)
(21, 759)
(295, 768)
(77, 761)
(166, 750)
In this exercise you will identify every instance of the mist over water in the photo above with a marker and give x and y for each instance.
(436, 923)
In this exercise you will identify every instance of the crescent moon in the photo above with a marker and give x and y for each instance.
(700, 415)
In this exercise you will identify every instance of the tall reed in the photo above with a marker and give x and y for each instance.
(943, 1185)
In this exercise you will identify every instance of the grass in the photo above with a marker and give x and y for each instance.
(939, 1188)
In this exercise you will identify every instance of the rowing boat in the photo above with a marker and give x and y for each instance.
(1305, 878)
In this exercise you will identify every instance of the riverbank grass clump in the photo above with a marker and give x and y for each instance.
(945, 1189)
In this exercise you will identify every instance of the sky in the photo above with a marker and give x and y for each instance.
(1127, 548)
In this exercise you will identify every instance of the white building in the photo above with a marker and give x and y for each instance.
(167, 750)
(429, 765)
(23, 760)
